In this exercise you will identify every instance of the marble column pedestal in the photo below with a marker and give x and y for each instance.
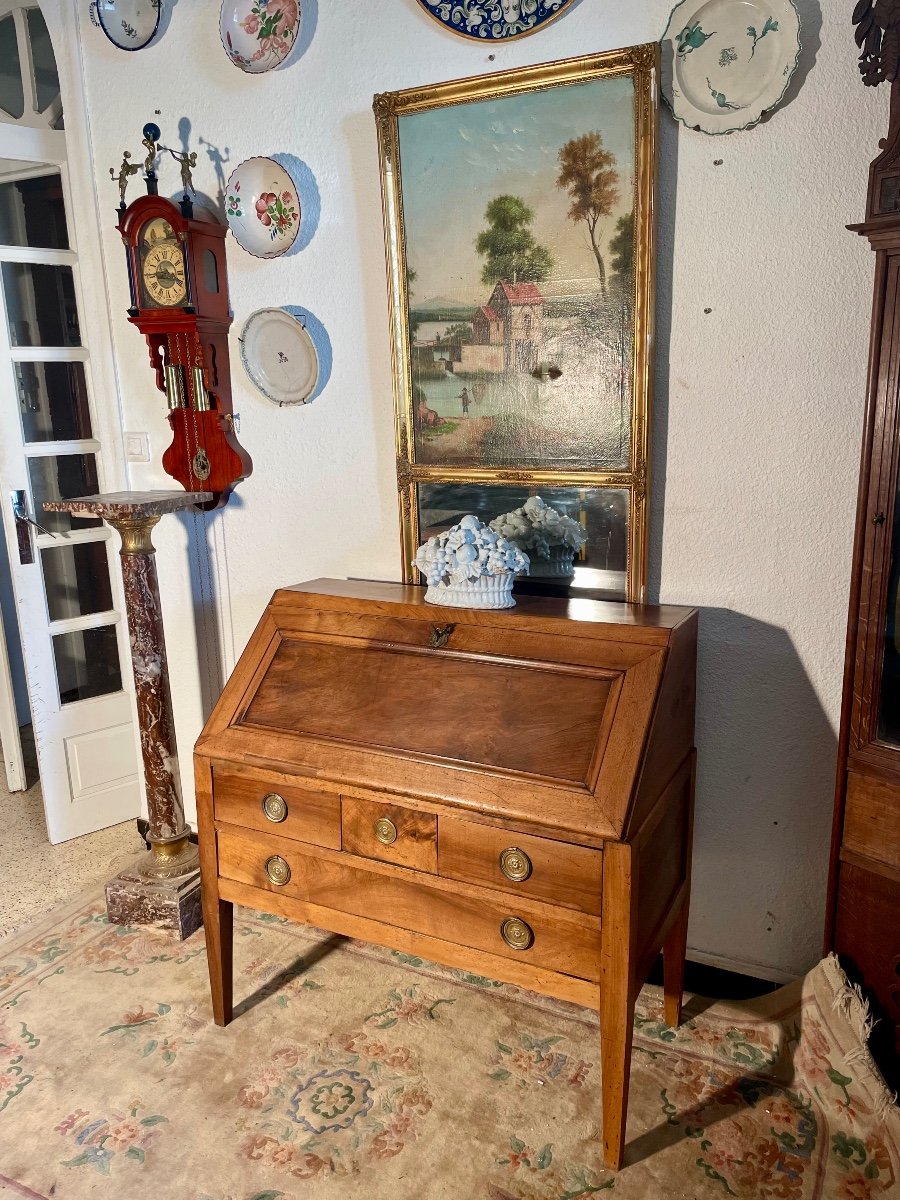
(163, 891)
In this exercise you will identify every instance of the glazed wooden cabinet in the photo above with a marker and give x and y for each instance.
(863, 923)
(509, 792)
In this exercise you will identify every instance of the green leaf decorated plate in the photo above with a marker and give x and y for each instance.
(726, 62)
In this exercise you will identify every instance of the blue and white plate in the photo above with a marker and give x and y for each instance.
(494, 20)
(129, 24)
(726, 62)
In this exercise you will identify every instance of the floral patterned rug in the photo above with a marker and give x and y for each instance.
(354, 1071)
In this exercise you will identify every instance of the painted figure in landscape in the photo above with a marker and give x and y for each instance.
(520, 246)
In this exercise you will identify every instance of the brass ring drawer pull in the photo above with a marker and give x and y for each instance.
(515, 864)
(278, 871)
(386, 831)
(274, 806)
(517, 933)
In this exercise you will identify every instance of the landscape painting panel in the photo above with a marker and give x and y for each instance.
(602, 512)
(519, 228)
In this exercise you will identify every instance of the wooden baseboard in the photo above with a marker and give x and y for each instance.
(740, 967)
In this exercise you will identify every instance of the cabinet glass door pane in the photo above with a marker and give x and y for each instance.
(76, 580)
(40, 305)
(62, 477)
(12, 94)
(43, 61)
(53, 402)
(87, 663)
(33, 212)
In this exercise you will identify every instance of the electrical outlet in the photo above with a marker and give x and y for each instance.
(137, 447)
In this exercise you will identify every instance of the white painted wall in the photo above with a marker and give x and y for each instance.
(759, 399)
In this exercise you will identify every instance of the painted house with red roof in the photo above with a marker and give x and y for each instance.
(487, 327)
(513, 319)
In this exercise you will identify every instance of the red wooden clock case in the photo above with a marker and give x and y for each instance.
(205, 454)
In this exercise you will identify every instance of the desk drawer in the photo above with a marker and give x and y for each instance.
(294, 812)
(389, 832)
(496, 926)
(515, 862)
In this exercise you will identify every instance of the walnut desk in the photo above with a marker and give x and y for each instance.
(508, 792)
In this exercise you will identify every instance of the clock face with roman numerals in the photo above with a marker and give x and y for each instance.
(163, 279)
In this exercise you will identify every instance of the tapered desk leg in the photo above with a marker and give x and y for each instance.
(218, 921)
(674, 953)
(617, 967)
(218, 915)
(616, 1022)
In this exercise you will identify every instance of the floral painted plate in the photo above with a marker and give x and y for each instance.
(129, 24)
(726, 62)
(279, 356)
(258, 35)
(262, 207)
(494, 20)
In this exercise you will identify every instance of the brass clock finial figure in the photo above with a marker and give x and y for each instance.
(150, 141)
(187, 162)
(126, 170)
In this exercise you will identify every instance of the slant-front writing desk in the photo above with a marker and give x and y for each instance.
(508, 792)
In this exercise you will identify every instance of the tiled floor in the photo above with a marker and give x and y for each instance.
(35, 876)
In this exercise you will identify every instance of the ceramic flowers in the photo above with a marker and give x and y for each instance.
(550, 537)
(258, 35)
(470, 566)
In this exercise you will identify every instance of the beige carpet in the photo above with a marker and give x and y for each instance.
(353, 1071)
(35, 876)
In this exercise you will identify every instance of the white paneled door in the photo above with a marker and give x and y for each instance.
(67, 602)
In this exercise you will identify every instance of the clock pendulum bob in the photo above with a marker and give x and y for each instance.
(204, 454)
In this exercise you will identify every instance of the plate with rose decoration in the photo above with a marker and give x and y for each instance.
(262, 207)
(258, 35)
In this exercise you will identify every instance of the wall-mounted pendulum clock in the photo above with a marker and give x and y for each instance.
(179, 301)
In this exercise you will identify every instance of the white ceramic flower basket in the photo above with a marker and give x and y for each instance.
(470, 566)
(490, 591)
(559, 565)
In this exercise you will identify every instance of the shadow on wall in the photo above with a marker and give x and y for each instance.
(765, 786)
(201, 550)
(322, 342)
(810, 13)
(308, 196)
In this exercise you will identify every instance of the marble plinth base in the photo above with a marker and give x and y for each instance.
(169, 905)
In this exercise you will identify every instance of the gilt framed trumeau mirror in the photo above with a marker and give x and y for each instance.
(519, 228)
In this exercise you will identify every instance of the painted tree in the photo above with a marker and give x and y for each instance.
(414, 322)
(511, 253)
(621, 246)
(587, 171)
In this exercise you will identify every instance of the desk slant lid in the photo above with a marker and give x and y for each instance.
(570, 707)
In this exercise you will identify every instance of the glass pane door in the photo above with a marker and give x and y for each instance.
(73, 635)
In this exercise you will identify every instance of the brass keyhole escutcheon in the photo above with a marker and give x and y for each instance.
(440, 636)
(515, 864)
(517, 933)
(385, 831)
(278, 871)
(275, 807)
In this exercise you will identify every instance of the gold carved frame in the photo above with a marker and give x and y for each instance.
(641, 62)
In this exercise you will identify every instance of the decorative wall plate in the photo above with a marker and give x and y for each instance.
(129, 24)
(258, 35)
(726, 62)
(279, 356)
(262, 207)
(494, 20)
